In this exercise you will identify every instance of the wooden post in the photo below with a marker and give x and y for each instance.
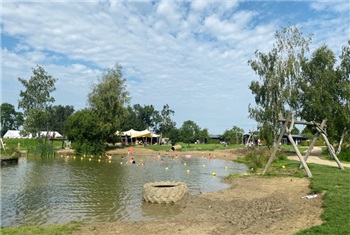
(331, 151)
(307, 154)
(303, 162)
(272, 157)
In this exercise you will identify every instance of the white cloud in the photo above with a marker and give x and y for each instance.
(191, 55)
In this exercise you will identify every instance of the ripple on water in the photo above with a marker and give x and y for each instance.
(54, 191)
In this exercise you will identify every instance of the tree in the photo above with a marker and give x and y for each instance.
(234, 135)
(166, 124)
(189, 132)
(86, 134)
(324, 92)
(10, 119)
(36, 100)
(58, 116)
(107, 99)
(203, 135)
(280, 71)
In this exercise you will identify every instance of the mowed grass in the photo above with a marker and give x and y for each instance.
(336, 185)
(25, 143)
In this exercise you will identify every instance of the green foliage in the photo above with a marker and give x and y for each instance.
(166, 125)
(43, 149)
(42, 230)
(173, 135)
(279, 71)
(58, 116)
(107, 100)
(10, 119)
(189, 132)
(234, 135)
(11, 151)
(36, 100)
(140, 118)
(266, 134)
(86, 132)
(344, 155)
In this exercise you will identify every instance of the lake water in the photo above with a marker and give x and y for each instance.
(63, 189)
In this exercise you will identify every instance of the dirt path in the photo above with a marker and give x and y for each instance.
(251, 205)
(315, 158)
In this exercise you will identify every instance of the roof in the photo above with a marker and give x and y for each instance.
(135, 134)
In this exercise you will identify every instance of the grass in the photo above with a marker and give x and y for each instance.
(26, 143)
(42, 230)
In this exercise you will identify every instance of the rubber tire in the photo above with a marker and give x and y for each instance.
(164, 192)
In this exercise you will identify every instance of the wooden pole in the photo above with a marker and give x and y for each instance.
(331, 151)
(307, 154)
(303, 162)
(272, 157)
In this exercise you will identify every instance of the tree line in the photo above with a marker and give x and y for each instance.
(108, 112)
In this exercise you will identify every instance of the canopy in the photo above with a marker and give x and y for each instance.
(136, 134)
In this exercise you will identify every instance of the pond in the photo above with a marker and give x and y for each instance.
(59, 190)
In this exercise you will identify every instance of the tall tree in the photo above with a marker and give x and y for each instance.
(325, 92)
(10, 118)
(166, 124)
(36, 99)
(86, 134)
(234, 135)
(108, 98)
(280, 71)
(189, 132)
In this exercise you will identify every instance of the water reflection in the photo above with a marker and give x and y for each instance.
(53, 191)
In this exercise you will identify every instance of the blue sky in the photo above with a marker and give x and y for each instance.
(191, 55)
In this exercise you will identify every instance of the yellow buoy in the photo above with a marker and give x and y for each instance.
(99, 160)
(121, 163)
(283, 167)
(166, 168)
(188, 171)
(185, 164)
(225, 167)
(203, 165)
(213, 174)
(109, 161)
(99, 156)
(74, 157)
(81, 158)
(61, 155)
(89, 159)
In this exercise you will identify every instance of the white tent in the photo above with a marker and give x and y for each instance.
(13, 134)
(137, 134)
(52, 134)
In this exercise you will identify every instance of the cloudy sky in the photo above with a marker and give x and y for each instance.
(191, 55)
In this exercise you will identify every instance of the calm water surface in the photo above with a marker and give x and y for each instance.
(54, 191)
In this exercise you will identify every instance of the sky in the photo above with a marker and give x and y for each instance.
(191, 55)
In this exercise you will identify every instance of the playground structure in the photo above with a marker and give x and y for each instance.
(320, 131)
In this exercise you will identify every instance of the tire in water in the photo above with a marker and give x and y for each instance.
(164, 192)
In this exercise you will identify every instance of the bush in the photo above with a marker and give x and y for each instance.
(257, 158)
(344, 155)
(42, 150)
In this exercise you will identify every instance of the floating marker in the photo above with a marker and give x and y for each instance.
(188, 171)
(203, 165)
(283, 166)
(89, 159)
(185, 164)
(213, 174)
(109, 161)
(225, 167)
(166, 168)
